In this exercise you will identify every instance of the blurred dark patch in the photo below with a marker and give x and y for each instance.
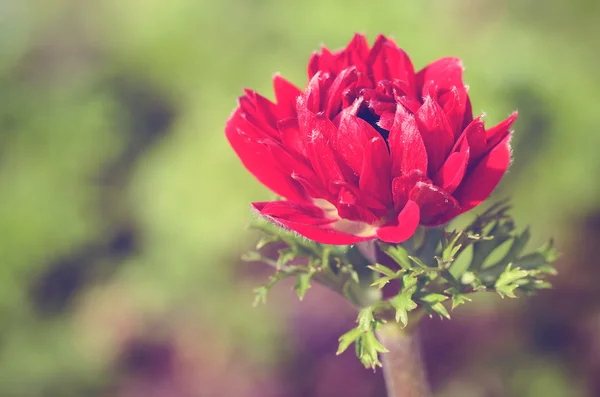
(532, 129)
(559, 321)
(147, 115)
(147, 358)
(53, 290)
(551, 334)
(123, 242)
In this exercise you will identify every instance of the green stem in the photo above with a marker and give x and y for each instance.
(403, 366)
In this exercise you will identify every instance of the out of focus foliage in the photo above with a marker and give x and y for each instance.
(123, 210)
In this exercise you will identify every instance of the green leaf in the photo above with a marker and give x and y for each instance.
(418, 262)
(302, 284)
(369, 349)
(433, 303)
(459, 299)
(506, 283)
(380, 282)
(285, 256)
(347, 339)
(403, 304)
(365, 318)
(398, 253)
(409, 281)
(260, 295)
(379, 268)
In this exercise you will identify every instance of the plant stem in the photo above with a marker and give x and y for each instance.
(403, 367)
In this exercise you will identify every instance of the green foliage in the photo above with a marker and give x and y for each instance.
(424, 267)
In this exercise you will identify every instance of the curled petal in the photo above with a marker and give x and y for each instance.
(315, 96)
(349, 207)
(482, 179)
(500, 131)
(453, 170)
(475, 136)
(286, 94)
(387, 61)
(351, 139)
(404, 227)
(402, 185)
(433, 202)
(406, 145)
(257, 159)
(436, 132)
(318, 131)
(442, 74)
(334, 96)
(260, 111)
(375, 177)
(309, 221)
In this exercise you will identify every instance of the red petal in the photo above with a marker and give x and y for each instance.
(286, 94)
(375, 177)
(349, 207)
(432, 201)
(408, 221)
(318, 131)
(291, 211)
(316, 92)
(406, 145)
(292, 137)
(436, 132)
(402, 185)
(454, 104)
(500, 131)
(480, 181)
(256, 158)
(315, 226)
(341, 82)
(442, 74)
(388, 62)
(261, 111)
(351, 139)
(453, 170)
(357, 50)
(475, 134)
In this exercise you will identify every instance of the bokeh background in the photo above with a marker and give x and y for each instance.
(123, 211)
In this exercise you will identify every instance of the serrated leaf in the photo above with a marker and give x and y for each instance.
(347, 339)
(440, 309)
(398, 253)
(510, 275)
(379, 268)
(418, 262)
(260, 295)
(380, 282)
(408, 281)
(365, 318)
(285, 256)
(433, 298)
(459, 299)
(302, 284)
(369, 350)
(433, 302)
(403, 304)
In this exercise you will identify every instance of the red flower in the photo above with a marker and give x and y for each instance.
(370, 149)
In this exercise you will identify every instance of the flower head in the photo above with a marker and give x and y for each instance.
(371, 148)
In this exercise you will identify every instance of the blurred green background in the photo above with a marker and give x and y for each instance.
(123, 211)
